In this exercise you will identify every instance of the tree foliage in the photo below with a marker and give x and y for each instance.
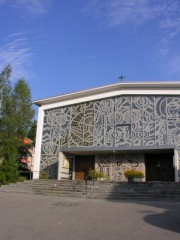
(23, 111)
(16, 116)
(32, 132)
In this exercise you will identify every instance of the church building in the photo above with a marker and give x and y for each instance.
(110, 129)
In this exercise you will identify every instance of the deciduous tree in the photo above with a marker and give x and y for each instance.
(16, 116)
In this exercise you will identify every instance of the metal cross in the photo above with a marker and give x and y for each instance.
(121, 78)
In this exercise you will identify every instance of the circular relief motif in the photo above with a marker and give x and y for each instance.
(145, 102)
(161, 106)
(137, 101)
(172, 110)
(153, 116)
(139, 133)
(49, 148)
(119, 117)
(134, 116)
(146, 135)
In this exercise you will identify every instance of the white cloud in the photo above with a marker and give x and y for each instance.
(163, 15)
(172, 26)
(17, 52)
(122, 11)
(35, 7)
(32, 7)
(136, 11)
(118, 12)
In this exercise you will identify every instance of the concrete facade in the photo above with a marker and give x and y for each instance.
(120, 125)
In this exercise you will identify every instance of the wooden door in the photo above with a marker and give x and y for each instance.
(159, 167)
(82, 166)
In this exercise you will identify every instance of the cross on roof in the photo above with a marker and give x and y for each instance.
(121, 78)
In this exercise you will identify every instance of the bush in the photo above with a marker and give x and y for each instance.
(96, 174)
(44, 175)
(3, 180)
(133, 173)
(8, 172)
(21, 179)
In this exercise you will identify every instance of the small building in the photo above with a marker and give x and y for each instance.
(111, 129)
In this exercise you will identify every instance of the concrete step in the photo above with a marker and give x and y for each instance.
(106, 190)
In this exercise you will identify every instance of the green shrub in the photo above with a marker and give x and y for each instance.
(44, 175)
(8, 172)
(3, 179)
(96, 174)
(21, 179)
(133, 173)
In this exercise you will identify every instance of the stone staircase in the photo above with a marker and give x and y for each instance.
(164, 191)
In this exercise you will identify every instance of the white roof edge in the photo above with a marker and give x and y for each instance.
(108, 88)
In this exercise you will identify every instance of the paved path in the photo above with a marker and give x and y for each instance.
(31, 217)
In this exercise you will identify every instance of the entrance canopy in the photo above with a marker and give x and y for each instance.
(159, 163)
(113, 150)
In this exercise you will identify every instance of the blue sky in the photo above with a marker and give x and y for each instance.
(61, 46)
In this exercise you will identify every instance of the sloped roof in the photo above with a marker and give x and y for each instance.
(117, 89)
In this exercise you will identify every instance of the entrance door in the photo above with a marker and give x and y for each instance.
(159, 167)
(82, 166)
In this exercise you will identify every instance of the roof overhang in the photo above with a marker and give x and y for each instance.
(133, 88)
(118, 150)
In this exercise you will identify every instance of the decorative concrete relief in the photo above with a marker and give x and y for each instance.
(114, 165)
(49, 148)
(76, 126)
(149, 121)
(113, 122)
(98, 132)
(65, 120)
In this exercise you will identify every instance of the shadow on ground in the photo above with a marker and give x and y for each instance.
(166, 214)
(169, 219)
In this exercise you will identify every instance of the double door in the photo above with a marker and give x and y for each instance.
(82, 166)
(159, 167)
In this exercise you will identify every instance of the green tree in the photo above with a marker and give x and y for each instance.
(15, 120)
(8, 169)
(23, 108)
(32, 132)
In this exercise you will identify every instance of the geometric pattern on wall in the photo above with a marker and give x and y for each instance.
(118, 121)
(98, 133)
(122, 121)
(50, 138)
(148, 121)
(114, 165)
(136, 121)
(65, 117)
(75, 137)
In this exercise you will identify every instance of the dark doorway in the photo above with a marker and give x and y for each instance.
(159, 167)
(82, 166)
